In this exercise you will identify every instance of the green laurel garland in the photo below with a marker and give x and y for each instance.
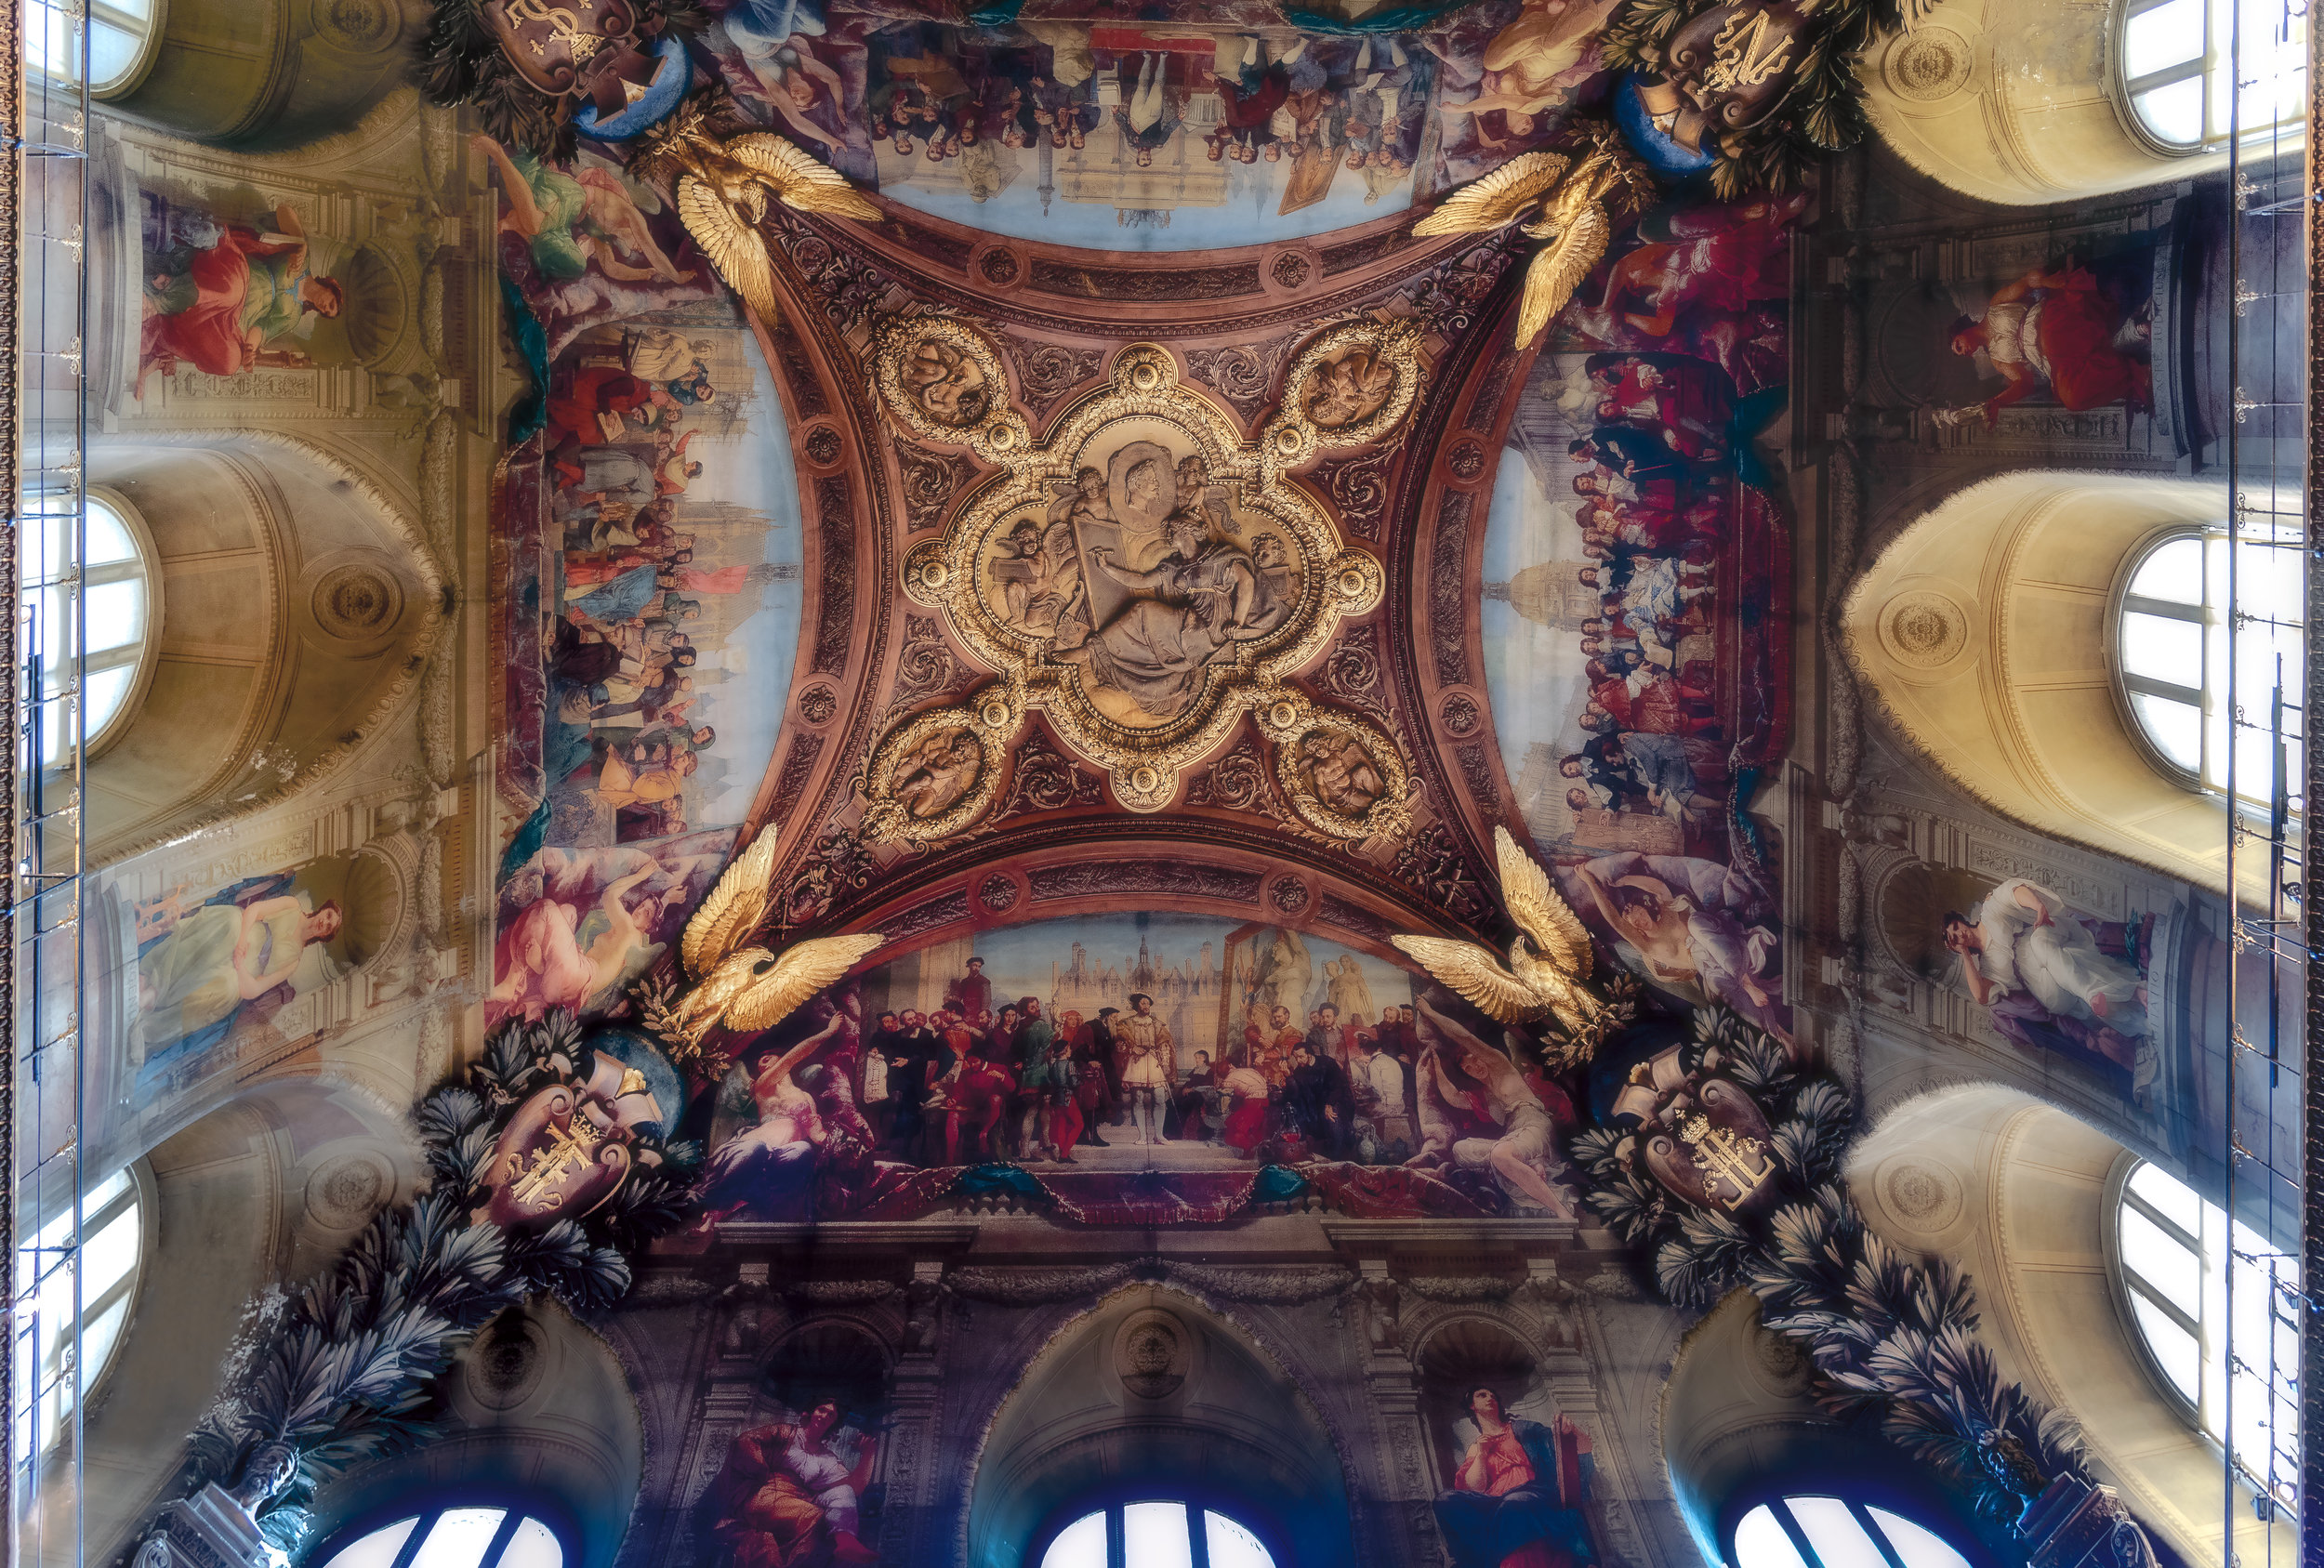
(345, 1364)
(1822, 113)
(1893, 1338)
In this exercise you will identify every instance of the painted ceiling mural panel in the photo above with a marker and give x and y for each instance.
(1161, 756)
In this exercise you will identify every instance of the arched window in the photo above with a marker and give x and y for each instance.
(2188, 1278)
(2171, 661)
(118, 46)
(1808, 1530)
(115, 612)
(1155, 1533)
(481, 1537)
(2176, 64)
(48, 1267)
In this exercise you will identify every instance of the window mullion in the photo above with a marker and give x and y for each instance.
(1880, 1538)
(1781, 1509)
(411, 1542)
(511, 1522)
(2164, 1223)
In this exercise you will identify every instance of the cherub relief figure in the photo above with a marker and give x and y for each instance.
(946, 383)
(1037, 577)
(1336, 770)
(1351, 389)
(935, 776)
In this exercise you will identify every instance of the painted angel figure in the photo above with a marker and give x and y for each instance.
(1694, 925)
(1517, 1146)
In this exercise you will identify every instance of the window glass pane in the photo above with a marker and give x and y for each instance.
(1918, 1547)
(106, 691)
(112, 1253)
(114, 1186)
(2153, 1255)
(116, 614)
(1154, 1535)
(97, 1339)
(1762, 1542)
(2267, 581)
(111, 52)
(2163, 648)
(459, 1538)
(2165, 36)
(1840, 1541)
(1232, 1546)
(1079, 1545)
(2174, 113)
(375, 1551)
(2170, 1197)
(2175, 728)
(533, 1546)
(107, 535)
(2172, 572)
(2174, 1348)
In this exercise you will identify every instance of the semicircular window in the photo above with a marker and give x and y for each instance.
(111, 613)
(480, 1536)
(2172, 661)
(1155, 1533)
(48, 1347)
(113, 52)
(2179, 61)
(2181, 1266)
(1809, 1530)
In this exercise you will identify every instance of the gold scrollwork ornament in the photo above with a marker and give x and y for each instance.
(1350, 386)
(936, 773)
(1341, 775)
(1143, 575)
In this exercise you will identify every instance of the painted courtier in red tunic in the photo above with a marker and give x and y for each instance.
(2064, 339)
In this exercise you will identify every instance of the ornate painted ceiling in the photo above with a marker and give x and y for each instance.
(1361, 766)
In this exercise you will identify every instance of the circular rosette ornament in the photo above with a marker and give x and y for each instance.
(1356, 581)
(1144, 785)
(1340, 775)
(1349, 387)
(934, 775)
(929, 578)
(944, 382)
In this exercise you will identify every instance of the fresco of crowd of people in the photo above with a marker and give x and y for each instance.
(967, 1082)
(624, 647)
(1654, 483)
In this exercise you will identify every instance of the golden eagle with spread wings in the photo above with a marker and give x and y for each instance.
(1547, 963)
(723, 186)
(751, 988)
(1579, 203)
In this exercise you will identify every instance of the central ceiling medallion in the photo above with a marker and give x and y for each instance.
(1143, 577)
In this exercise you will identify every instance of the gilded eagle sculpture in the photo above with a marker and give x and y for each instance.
(745, 989)
(722, 187)
(1548, 961)
(1578, 205)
